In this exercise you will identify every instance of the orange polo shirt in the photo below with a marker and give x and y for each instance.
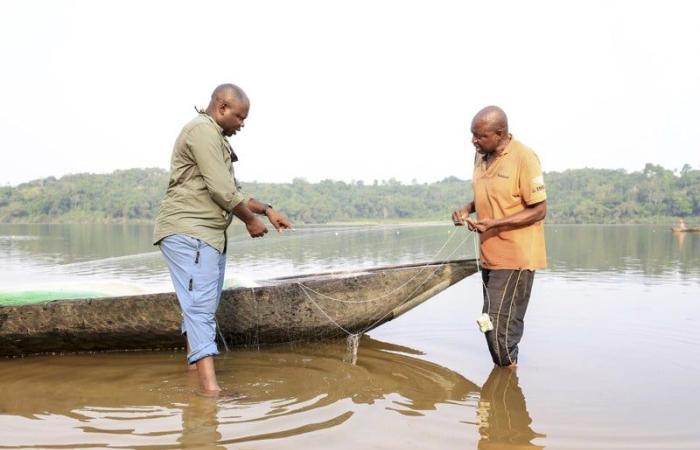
(511, 183)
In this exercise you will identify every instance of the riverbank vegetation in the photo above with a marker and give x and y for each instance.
(654, 194)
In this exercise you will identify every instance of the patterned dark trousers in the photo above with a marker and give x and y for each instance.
(506, 295)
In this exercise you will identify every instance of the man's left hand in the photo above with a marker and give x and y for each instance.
(278, 220)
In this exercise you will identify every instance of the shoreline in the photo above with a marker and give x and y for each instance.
(670, 222)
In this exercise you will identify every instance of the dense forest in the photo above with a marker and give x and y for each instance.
(574, 196)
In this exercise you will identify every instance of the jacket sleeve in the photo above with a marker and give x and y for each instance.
(205, 145)
(246, 196)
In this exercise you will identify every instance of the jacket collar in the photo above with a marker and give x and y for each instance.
(234, 158)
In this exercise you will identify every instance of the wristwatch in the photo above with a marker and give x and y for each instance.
(266, 207)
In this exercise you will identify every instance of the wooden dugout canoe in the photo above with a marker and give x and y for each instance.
(300, 308)
(686, 230)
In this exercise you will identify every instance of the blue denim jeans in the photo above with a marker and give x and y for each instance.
(197, 271)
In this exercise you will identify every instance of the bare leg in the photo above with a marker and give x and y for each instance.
(190, 367)
(207, 376)
(509, 366)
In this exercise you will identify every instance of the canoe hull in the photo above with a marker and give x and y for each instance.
(312, 307)
(685, 230)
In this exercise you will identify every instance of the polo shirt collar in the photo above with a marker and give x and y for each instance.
(506, 150)
(509, 146)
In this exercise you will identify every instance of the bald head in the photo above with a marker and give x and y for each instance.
(227, 93)
(229, 108)
(493, 117)
(490, 130)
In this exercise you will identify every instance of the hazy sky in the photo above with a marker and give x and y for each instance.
(348, 90)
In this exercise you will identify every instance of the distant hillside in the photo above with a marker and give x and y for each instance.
(574, 196)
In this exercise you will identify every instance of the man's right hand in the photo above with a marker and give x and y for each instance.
(459, 216)
(256, 227)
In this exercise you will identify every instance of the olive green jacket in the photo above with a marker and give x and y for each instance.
(202, 189)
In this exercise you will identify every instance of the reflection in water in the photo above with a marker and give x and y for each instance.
(199, 424)
(680, 239)
(304, 396)
(137, 399)
(504, 422)
(121, 260)
(609, 250)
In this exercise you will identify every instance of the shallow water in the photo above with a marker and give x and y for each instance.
(609, 358)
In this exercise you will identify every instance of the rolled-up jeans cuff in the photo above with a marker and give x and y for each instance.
(203, 352)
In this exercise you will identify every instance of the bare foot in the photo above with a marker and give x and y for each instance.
(210, 392)
(207, 375)
(511, 366)
(187, 352)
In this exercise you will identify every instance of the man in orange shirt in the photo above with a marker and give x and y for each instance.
(510, 203)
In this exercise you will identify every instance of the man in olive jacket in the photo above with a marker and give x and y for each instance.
(200, 202)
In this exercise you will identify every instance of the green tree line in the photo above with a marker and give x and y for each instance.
(574, 196)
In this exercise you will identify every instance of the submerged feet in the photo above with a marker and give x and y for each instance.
(204, 368)
(207, 376)
(207, 393)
